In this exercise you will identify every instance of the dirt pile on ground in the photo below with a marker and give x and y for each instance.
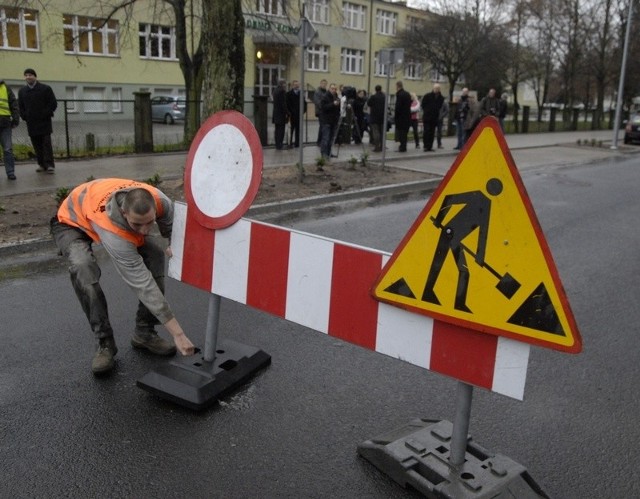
(25, 217)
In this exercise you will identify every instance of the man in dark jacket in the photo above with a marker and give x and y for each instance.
(37, 104)
(376, 105)
(329, 118)
(9, 119)
(490, 104)
(317, 103)
(293, 106)
(431, 104)
(280, 113)
(402, 115)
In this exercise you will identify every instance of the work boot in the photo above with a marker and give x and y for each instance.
(103, 359)
(150, 341)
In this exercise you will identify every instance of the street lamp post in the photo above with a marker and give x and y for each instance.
(623, 70)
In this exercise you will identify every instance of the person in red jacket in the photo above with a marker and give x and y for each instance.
(120, 214)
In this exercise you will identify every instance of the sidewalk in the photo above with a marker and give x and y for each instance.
(560, 148)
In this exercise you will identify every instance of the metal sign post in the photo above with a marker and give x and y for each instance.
(306, 35)
(389, 58)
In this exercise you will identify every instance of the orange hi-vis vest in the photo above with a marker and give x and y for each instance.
(87, 204)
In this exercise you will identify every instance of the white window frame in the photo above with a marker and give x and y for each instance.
(413, 70)
(270, 7)
(386, 22)
(150, 34)
(379, 69)
(354, 16)
(94, 25)
(413, 23)
(318, 11)
(94, 101)
(435, 76)
(352, 61)
(72, 95)
(24, 25)
(317, 58)
(116, 99)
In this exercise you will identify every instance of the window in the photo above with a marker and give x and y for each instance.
(386, 22)
(94, 101)
(413, 24)
(413, 71)
(435, 76)
(72, 98)
(157, 42)
(354, 16)
(352, 61)
(90, 35)
(19, 29)
(270, 7)
(318, 58)
(318, 11)
(116, 99)
(379, 69)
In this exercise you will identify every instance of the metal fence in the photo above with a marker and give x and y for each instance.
(87, 127)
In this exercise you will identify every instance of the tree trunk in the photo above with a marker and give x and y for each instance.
(223, 44)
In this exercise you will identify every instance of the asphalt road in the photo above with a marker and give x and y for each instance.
(294, 429)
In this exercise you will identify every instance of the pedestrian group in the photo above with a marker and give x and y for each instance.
(344, 114)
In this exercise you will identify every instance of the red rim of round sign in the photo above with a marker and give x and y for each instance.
(242, 123)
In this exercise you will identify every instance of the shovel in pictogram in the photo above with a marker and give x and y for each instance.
(507, 284)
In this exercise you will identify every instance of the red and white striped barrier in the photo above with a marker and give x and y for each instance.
(325, 285)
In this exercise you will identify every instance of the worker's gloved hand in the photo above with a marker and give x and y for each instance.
(184, 345)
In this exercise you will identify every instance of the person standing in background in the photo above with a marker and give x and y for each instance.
(376, 104)
(431, 104)
(415, 111)
(293, 107)
(280, 113)
(37, 103)
(317, 104)
(502, 110)
(444, 112)
(9, 119)
(402, 115)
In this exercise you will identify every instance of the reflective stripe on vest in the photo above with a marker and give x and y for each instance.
(4, 101)
(87, 203)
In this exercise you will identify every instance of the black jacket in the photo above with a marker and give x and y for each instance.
(402, 115)
(330, 111)
(280, 110)
(376, 108)
(37, 106)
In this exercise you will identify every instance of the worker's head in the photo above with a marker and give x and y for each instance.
(139, 210)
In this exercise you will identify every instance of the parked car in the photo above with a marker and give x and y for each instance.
(167, 108)
(632, 129)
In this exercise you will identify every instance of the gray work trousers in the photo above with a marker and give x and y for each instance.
(84, 270)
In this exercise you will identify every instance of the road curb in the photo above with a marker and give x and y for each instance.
(29, 257)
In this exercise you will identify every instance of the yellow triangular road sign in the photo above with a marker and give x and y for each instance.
(476, 255)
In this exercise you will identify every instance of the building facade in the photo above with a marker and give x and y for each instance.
(97, 58)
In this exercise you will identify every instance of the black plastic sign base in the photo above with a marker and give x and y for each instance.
(193, 383)
(417, 456)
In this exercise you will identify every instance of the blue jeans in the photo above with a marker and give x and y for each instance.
(7, 149)
(328, 131)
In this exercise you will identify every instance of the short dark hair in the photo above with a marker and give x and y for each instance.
(378, 88)
(138, 201)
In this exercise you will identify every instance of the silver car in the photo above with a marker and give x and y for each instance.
(167, 108)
